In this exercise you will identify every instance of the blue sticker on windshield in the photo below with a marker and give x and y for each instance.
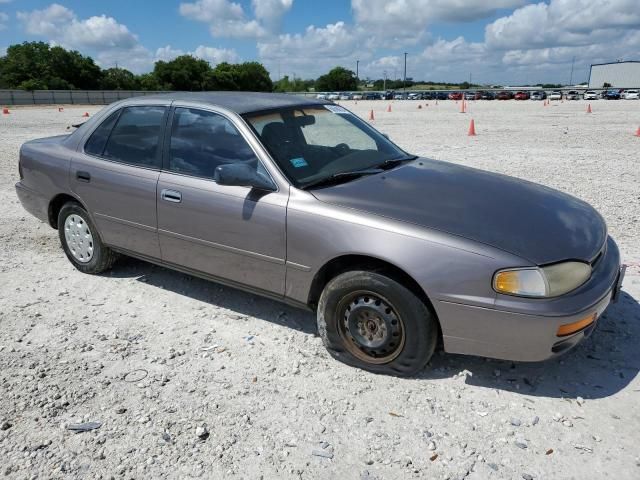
(299, 162)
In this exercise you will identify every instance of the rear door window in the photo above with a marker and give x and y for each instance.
(136, 137)
(202, 140)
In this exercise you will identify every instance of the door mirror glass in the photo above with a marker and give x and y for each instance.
(242, 175)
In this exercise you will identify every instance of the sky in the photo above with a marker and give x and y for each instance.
(508, 42)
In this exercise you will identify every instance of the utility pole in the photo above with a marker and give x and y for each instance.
(384, 83)
(571, 76)
(404, 80)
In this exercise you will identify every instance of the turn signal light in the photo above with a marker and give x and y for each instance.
(574, 327)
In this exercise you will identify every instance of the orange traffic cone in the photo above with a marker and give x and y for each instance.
(638, 132)
(472, 129)
(60, 109)
(589, 108)
(462, 107)
(419, 107)
(371, 116)
(86, 114)
(389, 108)
(5, 111)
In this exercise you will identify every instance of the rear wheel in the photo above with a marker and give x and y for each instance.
(372, 322)
(81, 242)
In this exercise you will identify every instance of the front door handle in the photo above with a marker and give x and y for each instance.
(171, 196)
(83, 176)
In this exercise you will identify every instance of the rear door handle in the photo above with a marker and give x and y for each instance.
(171, 196)
(83, 176)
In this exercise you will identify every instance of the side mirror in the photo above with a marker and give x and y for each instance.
(242, 175)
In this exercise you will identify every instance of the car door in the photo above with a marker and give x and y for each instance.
(233, 233)
(115, 173)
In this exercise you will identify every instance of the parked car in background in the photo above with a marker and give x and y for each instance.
(321, 96)
(630, 94)
(245, 188)
(415, 96)
(345, 96)
(333, 96)
(399, 96)
(521, 96)
(470, 95)
(538, 95)
(441, 96)
(356, 96)
(487, 96)
(590, 95)
(455, 96)
(505, 95)
(611, 95)
(555, 95)
(572, 95)
(371, 96)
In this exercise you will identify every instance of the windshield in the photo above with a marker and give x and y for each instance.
(320, 142)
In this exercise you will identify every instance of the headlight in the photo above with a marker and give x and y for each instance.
(548, 281)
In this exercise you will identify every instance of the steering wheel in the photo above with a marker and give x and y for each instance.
(342, 148)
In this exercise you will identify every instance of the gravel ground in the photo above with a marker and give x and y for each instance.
(190, 379)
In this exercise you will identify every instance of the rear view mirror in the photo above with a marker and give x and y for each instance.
(305, 120)
(242, 175)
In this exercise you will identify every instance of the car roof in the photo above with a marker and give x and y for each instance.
(241, 102)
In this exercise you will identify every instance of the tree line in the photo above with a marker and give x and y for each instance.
(40, 66)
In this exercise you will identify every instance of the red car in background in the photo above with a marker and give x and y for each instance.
(521, 96)
(505, 96)
(455, 96)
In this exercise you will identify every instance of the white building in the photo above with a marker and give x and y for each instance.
(618, 74)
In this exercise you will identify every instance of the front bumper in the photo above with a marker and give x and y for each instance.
(525, 329)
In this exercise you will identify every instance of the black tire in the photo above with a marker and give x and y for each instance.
(349, 297)
(102, 257)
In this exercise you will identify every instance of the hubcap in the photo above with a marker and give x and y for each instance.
(79, 238)
(371, 328)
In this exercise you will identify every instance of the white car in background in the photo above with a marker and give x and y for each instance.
(345, 96)
(630, 95)
(321, 96)
(333, 96)
(555, 95)
(590, 95)
(356, 96)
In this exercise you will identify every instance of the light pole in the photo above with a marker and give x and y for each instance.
(357, 76)
(384, 83)
(404, 80)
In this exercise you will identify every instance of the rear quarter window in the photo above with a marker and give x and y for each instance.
(98, 139)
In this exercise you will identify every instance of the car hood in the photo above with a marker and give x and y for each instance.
(537, 223)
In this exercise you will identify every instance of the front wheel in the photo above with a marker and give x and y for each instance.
(81, 242)
(370, 321)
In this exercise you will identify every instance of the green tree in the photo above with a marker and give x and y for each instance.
(119, 79)
(185, 73)
(148, 81)
(295, 85)
(36, 63)
(339, 79)
(252, 76)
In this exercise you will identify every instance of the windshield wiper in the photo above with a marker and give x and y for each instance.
(395, 161)
(338, 177)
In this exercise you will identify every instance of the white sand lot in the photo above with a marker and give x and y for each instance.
(154, 354)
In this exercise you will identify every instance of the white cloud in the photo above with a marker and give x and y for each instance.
(398, 17)
(270, 12)
(228, 19)
(210, 54)
(61, 25)
(3, 18)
